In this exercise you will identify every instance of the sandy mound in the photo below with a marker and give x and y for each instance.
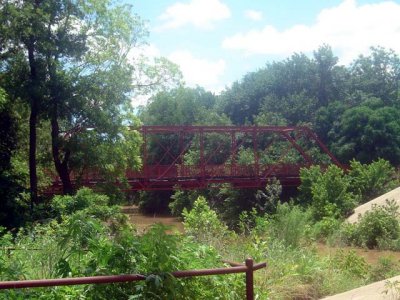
(381, 200)
(381, 290)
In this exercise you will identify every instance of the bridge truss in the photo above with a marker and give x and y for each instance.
(195, 157)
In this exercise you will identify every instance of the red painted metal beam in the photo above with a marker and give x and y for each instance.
(248, 268)
(159, 176)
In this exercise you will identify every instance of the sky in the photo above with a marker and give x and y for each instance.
(216, 42)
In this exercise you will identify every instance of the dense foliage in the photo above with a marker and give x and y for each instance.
(353, 109)
(68, 73)
(91, 239)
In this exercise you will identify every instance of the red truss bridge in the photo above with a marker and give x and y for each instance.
(194, 157)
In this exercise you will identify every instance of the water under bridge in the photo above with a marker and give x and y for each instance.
(194, 157)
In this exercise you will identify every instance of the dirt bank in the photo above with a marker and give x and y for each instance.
(381, 200)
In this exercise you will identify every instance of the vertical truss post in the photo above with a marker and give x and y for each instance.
(181, 160)
(255, 148)
(233, 152)
(144, 130)
(202, 162)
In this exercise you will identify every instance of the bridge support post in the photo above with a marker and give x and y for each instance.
(255, 149)
(202, 162)
(233, 152)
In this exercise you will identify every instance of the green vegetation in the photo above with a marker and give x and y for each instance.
(91, 239)
(67, 77)
(84, 235)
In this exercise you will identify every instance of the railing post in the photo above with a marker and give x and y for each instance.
(249, 279)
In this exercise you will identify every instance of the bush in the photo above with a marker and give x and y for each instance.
(202, 222)
(386, 267)
(232, 202)
(82, 246)
(371, 180)
(290, 224)
(86, 200)
(308, 178)
(182, 199)
(351, 263)
(325, 228)
(331, 196)
(379, 227)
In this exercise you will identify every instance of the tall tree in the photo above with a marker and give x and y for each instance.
(330, 78)
(81, 74)
(20, 22)
(368, 132)
(378, 75)
(9, 181)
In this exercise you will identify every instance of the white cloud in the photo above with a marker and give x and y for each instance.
(199, 71)
(199, 13)
(349, 28)
(254, 15)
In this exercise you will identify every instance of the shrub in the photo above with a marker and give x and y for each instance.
(371, 180)
(386, 267)
(308, 178)
(82, 246)
(345, 235)
(232, 202)
(351, 263)
(379, 226)
(290, 224)
(182, 199)
(331, 195)
(329, 191)
(202, 222)
(325, 228)
(85, 200)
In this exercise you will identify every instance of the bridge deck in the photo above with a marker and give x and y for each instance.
(166, 177)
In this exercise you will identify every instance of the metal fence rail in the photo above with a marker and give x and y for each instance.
(248, 268)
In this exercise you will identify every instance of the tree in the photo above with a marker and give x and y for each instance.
(9, 180)
(179, 106)
(80, 76)
(243, 100)
(369, 132)
(378, 75)
(330, 78)
(18, 22)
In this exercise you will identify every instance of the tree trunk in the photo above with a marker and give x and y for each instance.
(60, 156)
(32, 124)
(60, 165)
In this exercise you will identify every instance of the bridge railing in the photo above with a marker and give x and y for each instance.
(160, 177)
(248, 268)
(222, 170)
(173, 171)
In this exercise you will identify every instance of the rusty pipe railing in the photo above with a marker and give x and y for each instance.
(248, 268)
